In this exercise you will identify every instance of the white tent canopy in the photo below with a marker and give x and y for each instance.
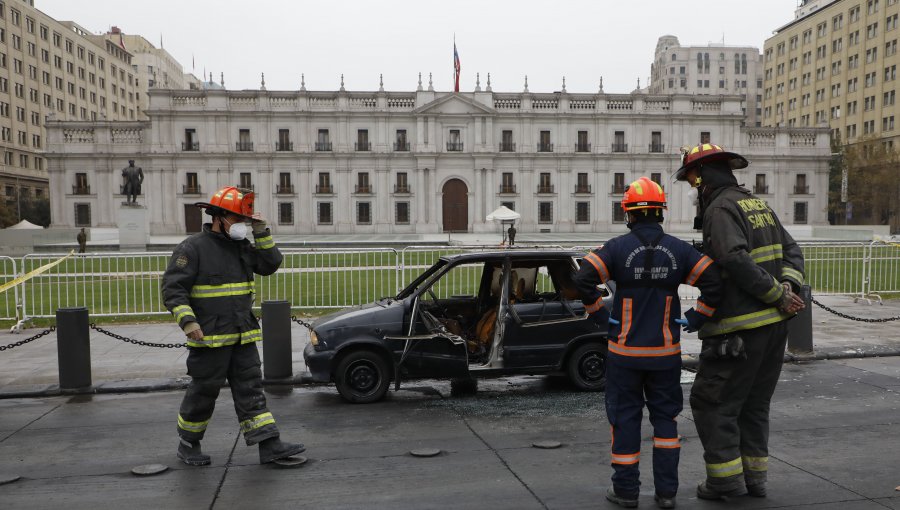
(24, 225)
(503, 213)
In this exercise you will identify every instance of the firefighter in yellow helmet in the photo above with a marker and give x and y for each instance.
(743, 345)
(208, 287)
(643, 363)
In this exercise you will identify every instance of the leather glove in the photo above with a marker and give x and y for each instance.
(692, 321)
(259, 227)
(601, 317)
(723, 348)
(790, 302)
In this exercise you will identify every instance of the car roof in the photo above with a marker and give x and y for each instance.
(513, 254)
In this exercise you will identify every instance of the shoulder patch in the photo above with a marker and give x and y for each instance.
(181, 261)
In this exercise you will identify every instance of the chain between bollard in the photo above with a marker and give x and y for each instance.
(46, 332)
(302, 322)
(850, 317)
(133, 341)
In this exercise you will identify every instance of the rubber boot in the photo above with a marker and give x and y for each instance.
(621, 500)
(664, 502)
(704, 491)
(274, 448)
(189, 453)
(757, 490)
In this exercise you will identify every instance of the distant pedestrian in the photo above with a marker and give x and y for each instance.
(82, 241)
(643, 365)
(743, 344)
(511, 232)
(208, 287)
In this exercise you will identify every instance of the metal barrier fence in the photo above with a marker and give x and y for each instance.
(128, 283)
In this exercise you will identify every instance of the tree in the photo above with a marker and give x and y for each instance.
(37, 210)
(7, 214)
(873, 184)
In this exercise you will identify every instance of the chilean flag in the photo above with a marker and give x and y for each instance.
(456, 68)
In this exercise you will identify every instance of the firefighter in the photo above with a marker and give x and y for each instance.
(208, 287)
(743, 346)
(644, 351)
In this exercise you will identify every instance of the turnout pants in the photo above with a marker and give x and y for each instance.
(627, 390)
(730, 401)
(209, 368)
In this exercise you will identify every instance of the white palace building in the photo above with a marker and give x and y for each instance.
(341, 162)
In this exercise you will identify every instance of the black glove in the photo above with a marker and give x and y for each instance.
(695, 320)
(601, 317)
(723, 348)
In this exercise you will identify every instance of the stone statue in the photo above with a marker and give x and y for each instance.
(134, 176)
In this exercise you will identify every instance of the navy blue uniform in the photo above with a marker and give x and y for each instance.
(644, 356)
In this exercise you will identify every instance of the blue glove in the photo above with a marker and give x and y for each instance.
(692, 321)
(601, 317)
(614, 322)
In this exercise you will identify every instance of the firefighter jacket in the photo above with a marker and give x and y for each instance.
(647, 266)
(755, 255)
(209, 281)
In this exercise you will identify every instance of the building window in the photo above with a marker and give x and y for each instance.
(760, 188)
(364, 213)
(619, 142)
(582, 145)
(82, 215)
(545, 212)
(656, 144)
(244, 143)
(509, 205)
(284, 142)
(581, 185)
(285, 213)
(800, 212)
(454, 142)
(506, 183)
(362, 183)
(402, 185)
(362, 140)
(544, 185)
(582, 212)
(544, 144)
(323, 143)
(191, 184)
(190, 140)
(324, 185)
(401, 144)
(618, 186)
(81, 186)
(801, 188)
(704, 137)
(401, 213)
(325, 213)
(284, 184)
(246, 180)
(618, 215)
(506, 141)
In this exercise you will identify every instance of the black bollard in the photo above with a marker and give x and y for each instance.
(800, 334)
(276, 326)
(73, 343)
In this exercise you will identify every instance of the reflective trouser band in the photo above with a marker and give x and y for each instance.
(766, 253)
(792, 274)
(192, 426)
(665, 442)
(264, 243)
(774, 293)
(756, 463)
(253, 335)
(256, 422)
(725, 469)
(182, 311)
(643, 352)
(595, 306)
(746, 321)
(626, 458)
(227, 289)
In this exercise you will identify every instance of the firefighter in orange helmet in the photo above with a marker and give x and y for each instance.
(743, 346)
(208, 287)
(644, 352)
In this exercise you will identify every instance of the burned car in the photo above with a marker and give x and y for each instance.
(467, 316)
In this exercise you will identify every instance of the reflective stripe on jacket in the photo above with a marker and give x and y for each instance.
(755, 253)
(209, 280)
(646, 300)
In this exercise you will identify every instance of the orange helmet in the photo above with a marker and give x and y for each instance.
(643, 194)
(707, 153)
(230, 199)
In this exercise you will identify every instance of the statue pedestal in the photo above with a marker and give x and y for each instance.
(132, 227)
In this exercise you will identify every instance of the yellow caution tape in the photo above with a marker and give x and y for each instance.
(12, 283)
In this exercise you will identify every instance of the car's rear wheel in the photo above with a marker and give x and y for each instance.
(586, 367)
(362, 377)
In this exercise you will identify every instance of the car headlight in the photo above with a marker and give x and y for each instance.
(313, 338)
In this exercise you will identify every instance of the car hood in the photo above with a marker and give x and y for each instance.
(372, 320)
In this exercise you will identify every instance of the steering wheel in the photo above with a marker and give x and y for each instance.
(436, 302)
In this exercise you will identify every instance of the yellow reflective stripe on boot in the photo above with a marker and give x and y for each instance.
(256, 422)
(746, 321)
(725, 469)
(182, 311)
(227, 289)
(264, 243)
(766, 253)
(192, 426)
(756, 463)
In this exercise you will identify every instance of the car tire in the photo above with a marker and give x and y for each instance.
(586, 367)
(362, 377)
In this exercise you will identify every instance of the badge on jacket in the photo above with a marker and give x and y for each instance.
(181, 261)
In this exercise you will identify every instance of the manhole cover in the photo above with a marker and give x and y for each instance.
(425, 452)
(546, 445)
(5, 479)
(288, 462)
(149, 469)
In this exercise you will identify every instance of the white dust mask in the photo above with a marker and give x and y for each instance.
(238, 231)
(694, 196)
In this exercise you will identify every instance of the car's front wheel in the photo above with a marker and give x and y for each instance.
(586, 367)
(362, 377)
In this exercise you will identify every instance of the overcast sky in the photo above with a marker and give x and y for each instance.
(579, 39)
